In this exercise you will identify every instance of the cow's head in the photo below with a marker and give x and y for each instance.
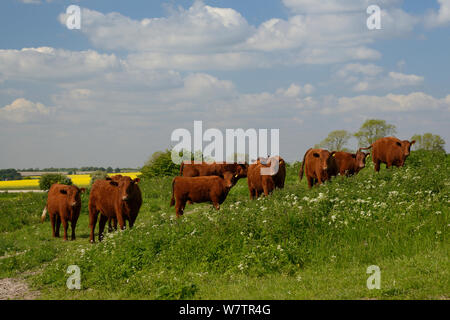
(73, 195)
(360, 158)
(406, 147)
(241, 170)
(325, 158)
(126, 185)
(230, 178)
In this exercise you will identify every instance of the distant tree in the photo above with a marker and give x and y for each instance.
(429, 141)
(97, 175)
(10, 174)
(47, 180)
(117, 170)
(109, 170)
(372, 130)
(160, 164)
(335, 141)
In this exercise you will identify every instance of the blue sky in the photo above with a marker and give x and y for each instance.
(112, 92)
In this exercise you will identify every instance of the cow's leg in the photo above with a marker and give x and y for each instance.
(65, 226)
(310, 181)
(52, 221)
(93, 213)
(110, 228)
(58, 224)
(179, 207)
(215, 201)
(101, 226)
(388, 164)
(265, 190)
(252, 193)
(121, 221)
(73, 225)
(377, 165)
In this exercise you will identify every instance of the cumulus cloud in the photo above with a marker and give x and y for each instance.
(439, 18)
(50, 63)
(365, 77)
(416, 101)
(203, 37)
(22, 110)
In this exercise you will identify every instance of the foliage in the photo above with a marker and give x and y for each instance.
(46, 180)
(160, 164)
(97, 175)
(372, 130)
(429, 141)
(335, 141)
(10, 174)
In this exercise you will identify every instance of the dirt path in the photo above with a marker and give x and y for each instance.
(13, 288)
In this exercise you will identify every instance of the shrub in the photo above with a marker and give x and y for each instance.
(160, 165)
(97, 175)
(46, 180)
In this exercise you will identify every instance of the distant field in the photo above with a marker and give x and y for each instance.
(79, 180)
(296, 244)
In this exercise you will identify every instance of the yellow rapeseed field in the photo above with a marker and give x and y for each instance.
(77, 179)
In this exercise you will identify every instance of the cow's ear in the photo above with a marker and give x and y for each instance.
(83, 190)
(63, 191)
(412, 142)
(108, 179)
(316, 155)
(333, 154)
(353, 156)
(137, 180)
(113, 183)
(367, 155)
(399, 144)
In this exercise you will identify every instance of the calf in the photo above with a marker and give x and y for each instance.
(390, 151)
(200, 189)
(319, 166)
(259, 183)
(350, 163)
(63, 205)
(118, 199)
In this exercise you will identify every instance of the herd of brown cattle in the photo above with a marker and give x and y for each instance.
(118, 199)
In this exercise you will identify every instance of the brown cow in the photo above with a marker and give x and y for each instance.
(63, 205)
(259, 183)
(120, 199)
(280, 177)
(201, 189)
(319, 166)
(350, 163)
(390, 151)
(213, 169)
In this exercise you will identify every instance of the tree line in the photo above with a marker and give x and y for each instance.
(374, 129)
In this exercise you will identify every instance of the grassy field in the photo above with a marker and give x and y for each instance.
(296, 244)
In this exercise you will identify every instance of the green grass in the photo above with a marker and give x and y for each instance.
(296, 244)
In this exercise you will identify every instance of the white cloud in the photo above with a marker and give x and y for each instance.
(365, 77)
(50, 63)
(440, 18)
(416, 101)
(22, 110)
(198, 28)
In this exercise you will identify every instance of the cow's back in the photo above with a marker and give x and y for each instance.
(387, 149)
(103, 197)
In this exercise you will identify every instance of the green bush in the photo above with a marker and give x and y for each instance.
(160, 165)
(97, 175)
(46, 180)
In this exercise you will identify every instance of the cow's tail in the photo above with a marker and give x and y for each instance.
(181, 169)
(172, 201)
(300, 174)
(361, 149)
(44, 214)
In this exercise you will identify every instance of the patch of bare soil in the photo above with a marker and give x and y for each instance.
(16, 289)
